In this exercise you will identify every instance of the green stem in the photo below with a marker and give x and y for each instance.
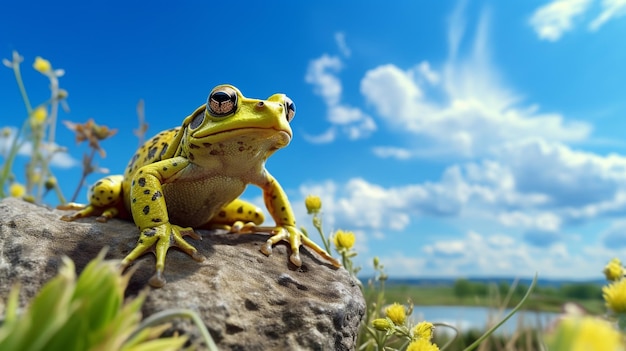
(515, 309)
(83, 177)
(168, 315)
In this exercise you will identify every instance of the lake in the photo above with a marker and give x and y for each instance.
(469, 317)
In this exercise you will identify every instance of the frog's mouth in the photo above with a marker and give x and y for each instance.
(279, 137)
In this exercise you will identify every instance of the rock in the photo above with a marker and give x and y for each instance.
(247, 300)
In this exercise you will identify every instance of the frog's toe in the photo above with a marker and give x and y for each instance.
(157, 280)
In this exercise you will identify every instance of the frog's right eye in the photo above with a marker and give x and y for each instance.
(222, 101)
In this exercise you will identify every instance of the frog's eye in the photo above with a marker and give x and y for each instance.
(222, 102)
(291, 109)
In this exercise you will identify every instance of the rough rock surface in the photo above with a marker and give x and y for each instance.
(247, 300)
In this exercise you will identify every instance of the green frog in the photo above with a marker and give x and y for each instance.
(191, 177)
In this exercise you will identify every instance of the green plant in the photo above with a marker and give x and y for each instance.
(393, 330)
(87, 313)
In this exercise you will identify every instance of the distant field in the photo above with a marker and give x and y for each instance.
(543, 299)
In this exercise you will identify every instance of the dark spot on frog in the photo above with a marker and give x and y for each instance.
(157, 194)
(164, 169)
(163, 151)
(152, 152)
(174, 164)
(222, 214)
(109, 198)
(206, 144)
(156, 220)
(142, 182)
(191, 156)
(282, 208)
(240, 209)
(214, 152)
(256, 215)
(99, 182)
(134, 200)
(147, 191)
(149, 232)
(146, 209)
(241, 148)
(101, 191)
(133, 183)
(193, 146)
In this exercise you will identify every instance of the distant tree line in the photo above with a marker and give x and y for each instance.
(464, 288)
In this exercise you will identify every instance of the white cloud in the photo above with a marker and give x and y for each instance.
(320, 75)
(340, 39)
(476, 254)
(60, 159)
(610, 9)
(550, 21)
(349, 120)
(464, 108)
(392, 152)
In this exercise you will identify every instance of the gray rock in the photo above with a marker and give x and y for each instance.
(247, 300)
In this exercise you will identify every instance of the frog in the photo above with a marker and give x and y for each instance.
(192, 176)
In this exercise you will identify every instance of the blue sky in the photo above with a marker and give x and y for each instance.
(455, 138)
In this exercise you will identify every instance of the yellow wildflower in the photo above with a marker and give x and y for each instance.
(38, 116)
(17, 190)
(343, 240)
(615, 296)
(397, 313)
(422, 345)
(584, 334)
(423, 330)
(313, 204)
(614, 270)
(383, 324)
(42, 65)
(50, 183)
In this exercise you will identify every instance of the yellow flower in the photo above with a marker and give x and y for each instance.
(423, 330)
(383, 324)
(614, 270)
(422, 345)
(17, 190)
(615, 296)
(38, 116)
(343, 240)
(397, 313)
(313, 204)
(42, 65)
(50, 183)
(584, 334)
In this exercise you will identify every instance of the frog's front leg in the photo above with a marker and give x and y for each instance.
(151, 217)
(279, 207)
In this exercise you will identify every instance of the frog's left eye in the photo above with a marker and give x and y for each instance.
(291, 108)
(222, 102)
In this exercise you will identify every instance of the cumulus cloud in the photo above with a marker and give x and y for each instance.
(464, 108)
(345, 119)
(552, 20)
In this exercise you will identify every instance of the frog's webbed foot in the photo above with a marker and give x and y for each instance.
(291, 234)
(160, 239)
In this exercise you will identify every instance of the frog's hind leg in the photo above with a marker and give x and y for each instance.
(236, 215)
(105, 201)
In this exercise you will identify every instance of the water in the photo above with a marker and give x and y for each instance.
(481, 318)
